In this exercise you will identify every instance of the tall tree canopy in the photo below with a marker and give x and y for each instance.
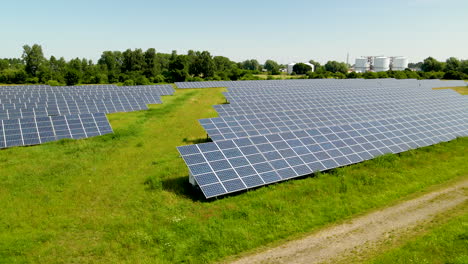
(272, 66)
(301, 68)
(33, 58)
(334, 66)
(430, 64)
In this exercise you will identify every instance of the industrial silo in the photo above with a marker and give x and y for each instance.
(381, 64)
(361, 65)
(290, 67)
(400, 63)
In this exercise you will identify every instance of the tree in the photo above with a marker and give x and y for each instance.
(382, 75)
(334, 66)
(431, 65)
(415, 66)
(272, 67)
(112, 61)
(400, 75)
(151, 66)
(301, 68)
(207, 66)
(252, 65)
(33, 57)
(452, 64)
(222, 64)
(72, 77)
(316, 65)
(200, 64)
(464, 66)
(133, 60)
(177, 68)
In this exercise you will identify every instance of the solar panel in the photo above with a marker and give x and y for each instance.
(33, 131)
(277, 130)
(232, 165)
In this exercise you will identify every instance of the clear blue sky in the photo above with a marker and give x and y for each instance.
(281, 30)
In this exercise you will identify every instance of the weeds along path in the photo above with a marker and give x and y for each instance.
(366, 233)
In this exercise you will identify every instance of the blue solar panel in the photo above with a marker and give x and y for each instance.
(274, 131)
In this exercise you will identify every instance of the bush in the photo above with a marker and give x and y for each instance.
(32, 80)
(142, 80)
(194, 79)
(53, 83)
(382, 75)
(158, 79)
(370, 75)
(72, 77)
(353, 75)
(129, 82)
(269, 77)
(400, 75)
(453, 75)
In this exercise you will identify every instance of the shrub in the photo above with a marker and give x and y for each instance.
(129, 82)
(53, 83)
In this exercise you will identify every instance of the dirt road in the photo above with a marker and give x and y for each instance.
(362, 234)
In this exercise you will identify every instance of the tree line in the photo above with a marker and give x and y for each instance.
(138, 67)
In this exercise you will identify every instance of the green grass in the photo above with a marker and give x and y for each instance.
(125, 197)
(445, 244)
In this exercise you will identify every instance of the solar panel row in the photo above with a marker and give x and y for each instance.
(34, 114)
(281, 130)
(315, 82)
(32, 131)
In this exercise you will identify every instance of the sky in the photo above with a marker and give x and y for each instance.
(285, 31)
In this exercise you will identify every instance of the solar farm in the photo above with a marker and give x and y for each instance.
(36, 114)
(273, 131)
(202, 172)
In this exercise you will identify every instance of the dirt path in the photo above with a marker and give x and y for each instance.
(365, 233)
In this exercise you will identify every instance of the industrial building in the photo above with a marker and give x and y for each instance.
(380, 63)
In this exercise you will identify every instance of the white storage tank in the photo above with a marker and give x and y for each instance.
(361, 65)
(290, 67)
(381, 64)
(400, 63)
(311, 65)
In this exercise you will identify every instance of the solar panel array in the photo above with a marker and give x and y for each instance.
(282, 130)
(307, 82)
(35, 114)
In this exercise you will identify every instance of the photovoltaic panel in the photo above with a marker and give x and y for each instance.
(227, 166)
(278, 130)
(36, 114)
(33, 131)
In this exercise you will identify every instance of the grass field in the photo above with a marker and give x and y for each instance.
(125, 197)
(445, 244)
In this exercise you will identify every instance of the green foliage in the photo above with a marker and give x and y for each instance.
(454, 75)
(144, 67)
(272, 67)
(53, 83)
(129, 82)
(382, 75)
(400, 75)
(369, 75)
(252, 65)
(334, 66)
(125, 197)
(301, 68)
(72, 77)
(431, 65)
(34, 58)
(317, 65)
(142, 80)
